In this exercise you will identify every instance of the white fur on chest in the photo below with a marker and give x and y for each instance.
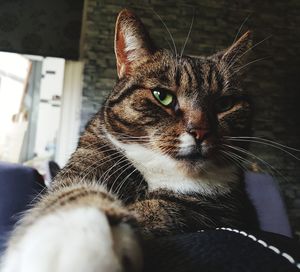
(162, 172)
(159, 170)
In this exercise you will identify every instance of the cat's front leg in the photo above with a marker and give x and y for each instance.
(78, 229)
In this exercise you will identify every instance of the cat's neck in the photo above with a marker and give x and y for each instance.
(162, 172)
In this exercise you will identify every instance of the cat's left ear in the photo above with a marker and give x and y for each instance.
(236, 52)
(132, 42)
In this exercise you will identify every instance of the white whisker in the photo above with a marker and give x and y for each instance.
(174, 45)
(263, 139)
(187, 37)
(240, 28)
(244, 151)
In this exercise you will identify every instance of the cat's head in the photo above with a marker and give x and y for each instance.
(177, 107)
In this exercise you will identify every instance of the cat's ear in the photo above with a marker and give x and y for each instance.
(132, 42)
(236, 52)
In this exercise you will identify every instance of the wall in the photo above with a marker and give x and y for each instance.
(41, 27)
(274, 81)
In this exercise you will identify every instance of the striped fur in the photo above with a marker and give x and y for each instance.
(149, 169)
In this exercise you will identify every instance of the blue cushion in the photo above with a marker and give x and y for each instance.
(265, 195)
(19, 185)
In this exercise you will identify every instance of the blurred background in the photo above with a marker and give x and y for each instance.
(57, 66)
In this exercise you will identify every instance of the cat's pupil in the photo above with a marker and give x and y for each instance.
(162, 95)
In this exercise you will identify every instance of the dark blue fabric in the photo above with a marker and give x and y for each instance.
(19, 185)
(221, 251)
(265, 196)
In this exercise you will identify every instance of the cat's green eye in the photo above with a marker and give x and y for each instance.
(224, 103)
(164, 97)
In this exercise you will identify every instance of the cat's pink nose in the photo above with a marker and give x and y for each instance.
(198, 133)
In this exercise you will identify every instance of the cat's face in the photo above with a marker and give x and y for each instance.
(181, 107)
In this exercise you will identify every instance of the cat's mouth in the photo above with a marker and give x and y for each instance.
(197, 153)
(190, 150)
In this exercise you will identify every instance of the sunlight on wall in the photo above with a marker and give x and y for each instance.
(14, 71)
(49, 107)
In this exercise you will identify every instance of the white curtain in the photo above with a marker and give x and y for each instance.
(70, 112)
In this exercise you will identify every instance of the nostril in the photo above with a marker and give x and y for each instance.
(199, 133)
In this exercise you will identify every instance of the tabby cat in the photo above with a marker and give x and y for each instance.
(149, 163)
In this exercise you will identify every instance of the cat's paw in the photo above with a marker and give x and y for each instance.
(77, 240)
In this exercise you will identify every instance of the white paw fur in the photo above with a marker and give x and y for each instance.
(77, 240)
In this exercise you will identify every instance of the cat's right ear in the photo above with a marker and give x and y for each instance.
(132, 42)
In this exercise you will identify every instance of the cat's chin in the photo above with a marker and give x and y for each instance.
(191, 157)
(192, 163)
(197, 165)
